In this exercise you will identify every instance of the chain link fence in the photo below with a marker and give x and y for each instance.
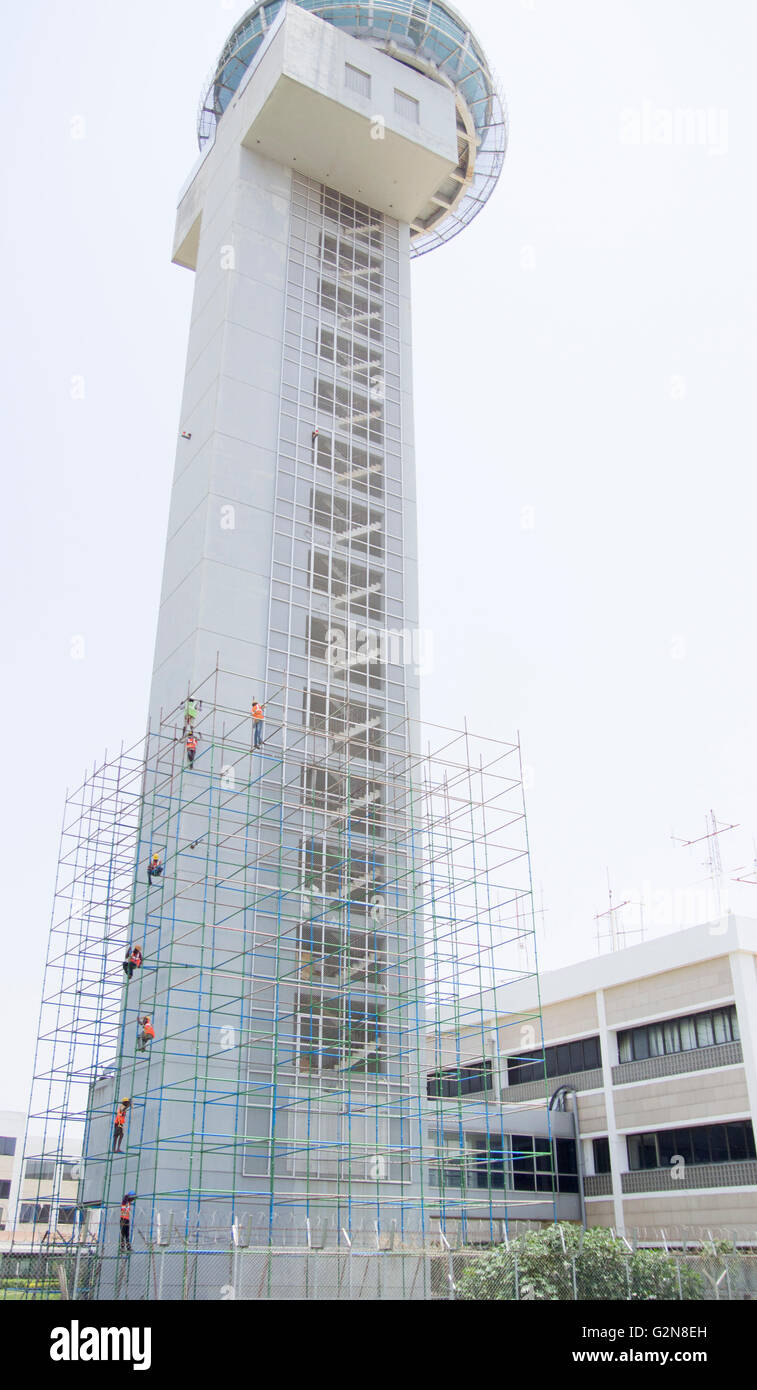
(508, 1273)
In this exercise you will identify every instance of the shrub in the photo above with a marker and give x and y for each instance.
(557, 1263)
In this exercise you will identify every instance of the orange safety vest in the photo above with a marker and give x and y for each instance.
(120, 1119)
(257, 711)
(192, 744)
(136, 957)
(126, 1211)
(149, 1030)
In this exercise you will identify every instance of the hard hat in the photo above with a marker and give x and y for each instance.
(129, 1196)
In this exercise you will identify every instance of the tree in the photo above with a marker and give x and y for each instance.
(562, 1262)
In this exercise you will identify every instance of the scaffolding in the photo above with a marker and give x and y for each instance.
(339, 965)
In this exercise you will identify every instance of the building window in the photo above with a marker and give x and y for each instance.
(5, 1188)
(407, 107)
(583, 1055)
(459, 1081)
(487, 1161)
(533, 1168)
(522, 1162)
(66, 1216)
(601, 1149)
(7, 1147)
(357, 81)
(39, 1169)
(33, 1212)
(730, 1143)
(679, 1035)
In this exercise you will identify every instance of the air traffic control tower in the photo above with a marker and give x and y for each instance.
(283, 946)
(338, 141)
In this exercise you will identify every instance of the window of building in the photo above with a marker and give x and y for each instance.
(601, 1149)
(562, 1060)
(41, 1169)
(533, 1168)
(5, 1188)
(679, 1034)
(7, 1146)
(487, 1165)
(66, 1216)
(33, 1212)
(460, 1081)
(355, 80)
(407, 107)
(524, 1162)
(729, 1143)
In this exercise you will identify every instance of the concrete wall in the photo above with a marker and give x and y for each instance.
(675, 991)
(684, 1099)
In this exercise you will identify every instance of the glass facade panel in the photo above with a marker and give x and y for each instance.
(640, 1045)
(601, 1148)
(696, 1144)
(738, 1148)
(718, 1144)
(705, 1031)
(678, 1035)
(561, 1060)
(642, 1151)
(39, 1169)
(688, 1034)
(700, 1140)
(721, 1031)
(667, 1146)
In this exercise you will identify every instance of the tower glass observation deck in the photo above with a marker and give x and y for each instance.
(430, 37)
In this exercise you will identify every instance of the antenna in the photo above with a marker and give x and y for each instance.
(714, 861)
(617, 931)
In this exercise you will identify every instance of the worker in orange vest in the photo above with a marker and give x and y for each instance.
(119, 1125)
(257, 720)
(147, 1034)
(125, 1222)
(154, 869)
(191, 749)
(133, 961)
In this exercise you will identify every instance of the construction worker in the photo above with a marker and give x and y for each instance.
(125, 1222)
(190, 714)
(257, 719)
(133, 961)
(119, 1124)
(154, 869)
(191, 749)
(147, 1034)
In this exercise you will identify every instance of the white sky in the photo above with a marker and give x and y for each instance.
(585, 349)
